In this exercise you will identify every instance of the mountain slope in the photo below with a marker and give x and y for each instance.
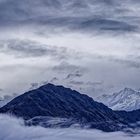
(127, 99)
(60, 102)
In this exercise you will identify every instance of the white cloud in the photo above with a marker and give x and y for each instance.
(14, 129)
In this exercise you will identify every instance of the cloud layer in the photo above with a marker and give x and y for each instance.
(12, 128)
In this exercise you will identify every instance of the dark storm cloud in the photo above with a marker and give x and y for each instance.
(101, 24)
(90, 24)
(26, 48)
(85, 15)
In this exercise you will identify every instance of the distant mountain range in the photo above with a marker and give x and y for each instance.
(127, 99)
(51, 106)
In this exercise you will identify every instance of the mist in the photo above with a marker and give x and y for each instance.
(12, 128)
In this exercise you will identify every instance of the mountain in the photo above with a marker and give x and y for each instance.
(59, 102)
(127, 99)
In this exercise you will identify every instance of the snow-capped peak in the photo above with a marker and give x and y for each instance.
(127, 99)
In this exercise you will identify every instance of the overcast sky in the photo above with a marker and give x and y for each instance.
(92, 46)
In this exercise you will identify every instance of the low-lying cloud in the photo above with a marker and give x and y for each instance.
(14, 129)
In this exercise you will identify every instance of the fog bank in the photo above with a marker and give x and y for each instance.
(14, 129)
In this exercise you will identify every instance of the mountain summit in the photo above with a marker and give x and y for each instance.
(127, 99)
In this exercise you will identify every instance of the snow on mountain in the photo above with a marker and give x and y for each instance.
(127, 99)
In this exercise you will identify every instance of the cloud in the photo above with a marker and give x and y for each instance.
(65, 66)
(91, 16)
(130, 61)
(14, 129)
(27, 48)
(74, 75)
(99, 24)
(127, 62)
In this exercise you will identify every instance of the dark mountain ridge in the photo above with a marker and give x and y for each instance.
(60, 102)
